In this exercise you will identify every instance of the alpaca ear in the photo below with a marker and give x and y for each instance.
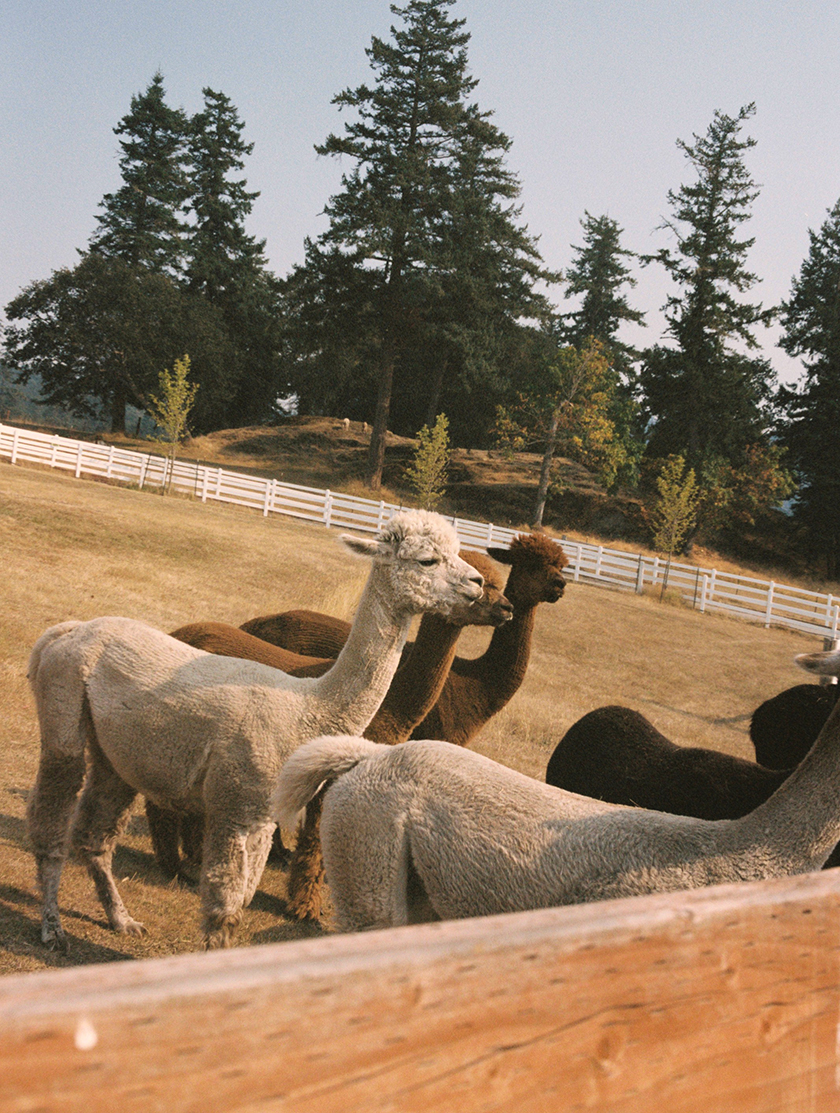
(826, 663)
(503, 556)
(363, 546)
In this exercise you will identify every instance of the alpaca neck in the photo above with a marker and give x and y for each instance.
(501, 668)
(418, 682)
(346, 697)
(801, 820)
(476, 689)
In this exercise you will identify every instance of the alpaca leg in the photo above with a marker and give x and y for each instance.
(306, 873)
(367, 866)
(164, 830)
(102, 812)
(48, 817)
(279, 854)
(257, 848)
(224, 873)
(191, 835)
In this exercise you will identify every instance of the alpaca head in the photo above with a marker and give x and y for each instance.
(826, 663)
(417, 550)
(492, 608)
(536, 569)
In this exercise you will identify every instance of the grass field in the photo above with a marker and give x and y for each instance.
(78, 549)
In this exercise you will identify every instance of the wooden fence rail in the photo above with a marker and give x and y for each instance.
(706, 589)
(723, 1000)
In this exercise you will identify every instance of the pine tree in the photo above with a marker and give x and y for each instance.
(704, 396)
(597, 276)
(427, 175)
(142, 223)
(811, 425)
(225, 264)
(428, 472)
(170, 409)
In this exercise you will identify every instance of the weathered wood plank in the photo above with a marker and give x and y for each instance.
(718, 999)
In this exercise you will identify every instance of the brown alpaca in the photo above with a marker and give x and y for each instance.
(476, 689)
(413, 692)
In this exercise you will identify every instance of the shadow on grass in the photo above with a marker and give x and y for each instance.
(20, 930)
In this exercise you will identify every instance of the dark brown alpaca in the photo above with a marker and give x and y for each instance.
(413, 691)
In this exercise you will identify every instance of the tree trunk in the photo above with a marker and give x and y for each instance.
(545, 470)
(434, 398)
(118, 404)
(376, 454)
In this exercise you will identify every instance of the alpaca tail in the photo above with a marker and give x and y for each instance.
(303, 774)
(46, 640)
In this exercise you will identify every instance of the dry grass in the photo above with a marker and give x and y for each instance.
(76, 549)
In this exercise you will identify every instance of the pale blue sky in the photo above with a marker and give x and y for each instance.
(594, 94)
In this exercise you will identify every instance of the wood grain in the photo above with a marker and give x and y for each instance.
(722, 999)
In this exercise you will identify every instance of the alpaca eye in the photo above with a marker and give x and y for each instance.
(429, 562)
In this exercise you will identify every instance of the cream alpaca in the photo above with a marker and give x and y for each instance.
(426, 830)
(197, 732)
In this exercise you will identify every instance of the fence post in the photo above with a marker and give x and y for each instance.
(79, 458)
(598, 562)
(768, 613)
(267, 498)
(489, 540)
(204, 483)
(15, 437)
(380, 521)
(711, 591)
(327, 508)
(54, 453)
(703, 593)
(110, 462)
(640, 575)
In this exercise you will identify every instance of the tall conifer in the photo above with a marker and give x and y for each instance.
(427, 178)
(142, 222)
(704, 396)
(811, 425)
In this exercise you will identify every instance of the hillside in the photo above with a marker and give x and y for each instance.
(485, 485)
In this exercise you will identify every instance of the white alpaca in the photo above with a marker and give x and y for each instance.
(197, 732)
(427, 830)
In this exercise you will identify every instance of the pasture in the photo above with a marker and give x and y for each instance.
(77, 549)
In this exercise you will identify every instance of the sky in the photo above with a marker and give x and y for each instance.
(593, 93)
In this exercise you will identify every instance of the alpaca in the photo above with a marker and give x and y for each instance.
(413, 691)
(309, 633)
(785, 727)
(424, 831)
(198, 732)
(614, 753)
(476, 688)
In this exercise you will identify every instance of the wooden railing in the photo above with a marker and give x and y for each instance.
(767, 602)
(722, 1000)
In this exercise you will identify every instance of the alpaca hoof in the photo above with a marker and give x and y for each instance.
(305, 906)
(133, 927)
(218, 931)
(53, 937)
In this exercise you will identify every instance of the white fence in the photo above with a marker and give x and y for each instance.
(767, 602)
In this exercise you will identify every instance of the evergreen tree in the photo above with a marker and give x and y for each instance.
(597, 275)
(142, 223)
(704, 396)
(811, 425)
(427, 179)
(226, 265)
